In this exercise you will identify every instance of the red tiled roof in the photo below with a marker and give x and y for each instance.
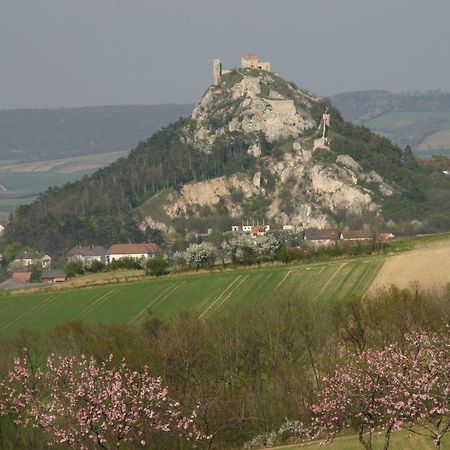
(331, 234)
(358, 234)
(133, 249)
(258, 228)
(252, 56)
(22, 277)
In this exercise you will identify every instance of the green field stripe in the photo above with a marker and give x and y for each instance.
(235, 288)
(95, 303)
(337, 290)
(162, 299)
(333, 276)
(364, 283)
(44, 306)
(147, 307)
(27, 312)
(258, 290)
(282, 280)
(204, 294)
(13, 306)
(211, 305)
(213, 289)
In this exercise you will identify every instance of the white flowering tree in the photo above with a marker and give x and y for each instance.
(200, 255)
(250, 250)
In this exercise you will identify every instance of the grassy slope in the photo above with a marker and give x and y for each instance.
(206, 294)
(401, 440)
(153, 207)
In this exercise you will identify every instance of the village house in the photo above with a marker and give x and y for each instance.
(260, 230)
(253, 230)
(23, 261)
(86, 254)
(135, 251)
(322, 238)
(21, 277)
(356, 236)
(53, 276)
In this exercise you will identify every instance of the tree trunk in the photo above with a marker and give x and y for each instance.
(387, 437)
(366, 444)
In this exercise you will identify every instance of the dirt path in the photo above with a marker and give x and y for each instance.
(429, 266)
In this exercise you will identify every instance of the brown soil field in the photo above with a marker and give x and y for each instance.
(428, 266)
(440, 139)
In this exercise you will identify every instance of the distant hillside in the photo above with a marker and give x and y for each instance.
(418, 119)
(252, 148)
(48, 134)
(40, 148)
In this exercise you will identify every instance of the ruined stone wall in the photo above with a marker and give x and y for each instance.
(265, 66)
(217, 71)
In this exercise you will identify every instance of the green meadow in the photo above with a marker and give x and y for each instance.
(401, 440)
(205, 294)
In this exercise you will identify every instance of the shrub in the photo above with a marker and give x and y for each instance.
(73, 269)
(125, 263)
(156, 267)
(95, 267)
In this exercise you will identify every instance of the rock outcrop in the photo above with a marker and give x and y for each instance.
(301, 183)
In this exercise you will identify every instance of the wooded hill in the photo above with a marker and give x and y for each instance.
(102, 208)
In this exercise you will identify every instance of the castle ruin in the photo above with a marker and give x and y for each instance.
(248, 61)
(251, 61)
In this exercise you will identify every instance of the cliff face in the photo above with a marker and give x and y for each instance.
(294, 182)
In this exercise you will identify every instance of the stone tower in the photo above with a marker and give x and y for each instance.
(251, 61)
(217, 71)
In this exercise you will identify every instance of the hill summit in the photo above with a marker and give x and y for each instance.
(255, 147)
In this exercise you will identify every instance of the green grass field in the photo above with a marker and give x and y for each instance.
(401, 440)
(206, 294)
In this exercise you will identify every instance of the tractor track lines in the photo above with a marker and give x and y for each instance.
(330, 280)
(155, 302)
(34, 309)
(212, 304)
(161, 300)
(240, 283)
(95, 303)
(282, 280)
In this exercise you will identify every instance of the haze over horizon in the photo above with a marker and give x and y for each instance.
(60, 53)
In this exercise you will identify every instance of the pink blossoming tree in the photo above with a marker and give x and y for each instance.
(425, 399)
(389, 389)
(87, 404)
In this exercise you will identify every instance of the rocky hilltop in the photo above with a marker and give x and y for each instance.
(298, 183)
(255, 147)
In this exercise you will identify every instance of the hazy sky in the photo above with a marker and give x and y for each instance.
(93, 52)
